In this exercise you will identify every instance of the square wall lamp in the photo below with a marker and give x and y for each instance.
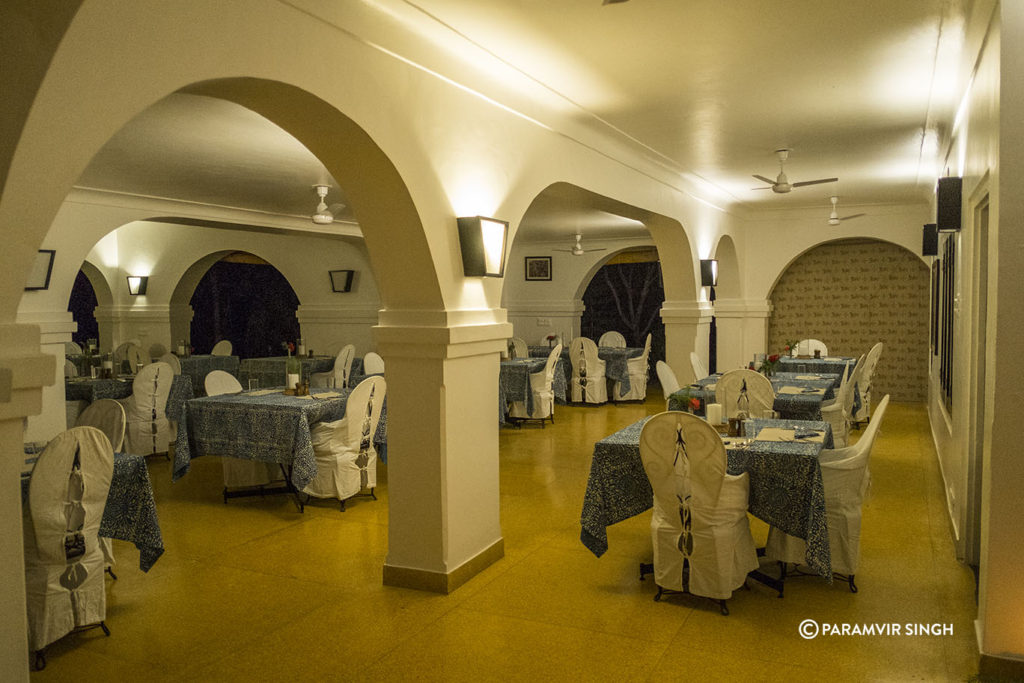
(482, 241)
(709, 272)
(137, 284)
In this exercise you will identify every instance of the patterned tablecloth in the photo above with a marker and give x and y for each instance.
(797, 396)
(268, 428)
(199, 366)
(130, 512)
(786, 489)
(81, 363)
(615, 359)
(88, 389)
(271, 371)
(829, 364)
(514, 383)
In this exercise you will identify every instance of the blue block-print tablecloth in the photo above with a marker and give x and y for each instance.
(614, 358)
(798, 396)
(270, 372)
(786, 489)
(88, 389)
(197, 367)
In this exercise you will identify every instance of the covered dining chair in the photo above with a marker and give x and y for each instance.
(106, 415)
(838, 411)
(171, 360)
(72, 348)
(638, 369)
(807, 347)
(64, 586)
(669, 383)
(588, 383)
(543, 396)
(70, 369)
(221, 348)
(701, 536)
(129, 356)
(745, 391)
(148, 430)
(518, 347)
(346, 458)
(238, 472)
(863, 380)
(700, 370)
(341, 371)
(846, 478)
(373, 364)
(612, 338)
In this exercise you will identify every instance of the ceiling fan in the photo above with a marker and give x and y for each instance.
(781, 184)
(834, 217)
(577, 249)
(325, 215)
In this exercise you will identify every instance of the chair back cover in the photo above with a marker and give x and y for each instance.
(734, 384)
(63, 561)
(70, 369)
(669, 383)
(541, 387)
(106, 415)
(346, 458)
(588, 372)
(699, 510)
(612, 338)
(171, 360)
(519, 347)
(148, 430)
(221, 348)
(219, 382)
(72, 348)
(700, 370)
(343, 365)
(372, 364)
(807, 347)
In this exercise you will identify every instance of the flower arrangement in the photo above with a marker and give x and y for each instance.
(768, 365)
(551, 340)
(790, 347)
(690, 403)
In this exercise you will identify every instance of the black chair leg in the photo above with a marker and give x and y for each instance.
(853, 586)
(106, 631)
(40, 660)
(110, 571)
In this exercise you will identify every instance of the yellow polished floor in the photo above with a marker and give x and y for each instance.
(254, 591)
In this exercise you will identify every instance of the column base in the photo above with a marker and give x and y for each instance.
(1001, 668)
(437, 582)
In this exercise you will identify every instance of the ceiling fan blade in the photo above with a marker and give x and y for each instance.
(597, 249)
(856, 215)
(763, 179)
(815, 182)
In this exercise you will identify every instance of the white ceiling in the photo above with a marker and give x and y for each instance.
(858, 90)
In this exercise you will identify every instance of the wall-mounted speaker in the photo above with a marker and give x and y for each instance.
(948, 198)
(930, 243)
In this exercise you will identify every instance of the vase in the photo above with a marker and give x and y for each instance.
(293, 371)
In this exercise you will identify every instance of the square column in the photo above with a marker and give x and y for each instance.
(742, 331)
(443, 516)
(686, 329)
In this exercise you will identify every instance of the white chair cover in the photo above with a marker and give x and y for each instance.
(171, 360)
(846, 478)
(588, 379)
(63, 562)
(72, 348)
(543, 395)
(612, 338)
(108, 416)
(686, 463)
(70, 369)
(372, 364)
(838, 411)
(669, 383)
(759, 392)
(637, 368)
(131, 353)
(807, 347)
(221, 348)
(340, 373)
(237, 471)
(864, 380)
(346, 460)
(219, 382)
(700, 370)
(148, 429)
(519, 347)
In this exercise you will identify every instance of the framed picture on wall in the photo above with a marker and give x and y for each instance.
(538, 267)
(39, 277)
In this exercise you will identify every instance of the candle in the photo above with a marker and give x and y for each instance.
(714, 413)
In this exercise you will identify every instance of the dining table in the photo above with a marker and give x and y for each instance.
(798, 396)
(271, 371)
(265, 425)
(615, 359)
(781, 457)
(514, 383)
(809, 364)
(198, 366)
(130, 510)
(92, 389)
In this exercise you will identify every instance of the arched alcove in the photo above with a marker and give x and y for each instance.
(729, 284)
(851, 294)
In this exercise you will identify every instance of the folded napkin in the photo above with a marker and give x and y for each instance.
(710, 387)
(781, 434)
(808, 376)
(327, 394)
(308, 397)
(264, 392)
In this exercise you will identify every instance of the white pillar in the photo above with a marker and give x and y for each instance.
(686, 329)
(31, 371)
(742, 331)
(444, 524)
(534, 320)
(327, 328)
(56, 327)
(150, 324)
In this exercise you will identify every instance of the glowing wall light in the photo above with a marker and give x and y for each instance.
(482, 241)
(709, 272)
(137, 284)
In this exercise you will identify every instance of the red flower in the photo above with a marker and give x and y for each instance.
(695, 403)
(291, 347)
(774, 358)
(551, 337)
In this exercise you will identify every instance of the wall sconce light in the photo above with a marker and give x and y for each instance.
(708, 272)
(948, 198)
(137, 284)
(482, 241)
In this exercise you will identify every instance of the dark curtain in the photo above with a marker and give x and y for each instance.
(82, 306)
(251, 305)
(627, 297)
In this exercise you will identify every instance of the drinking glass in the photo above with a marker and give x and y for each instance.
(254, 384)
